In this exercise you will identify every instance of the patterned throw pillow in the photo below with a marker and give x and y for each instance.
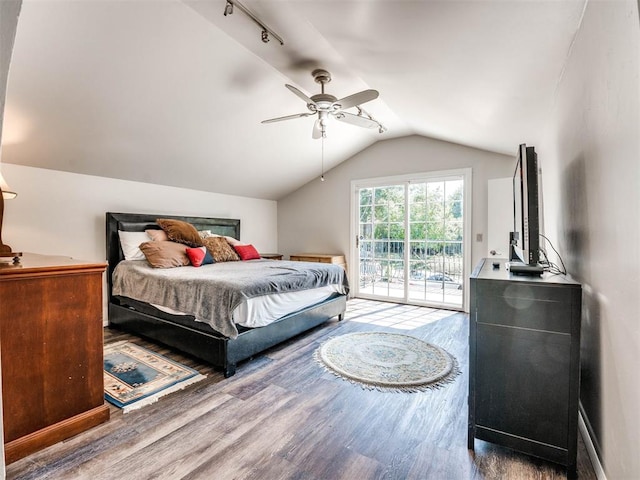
(181, 232)
(220, 249)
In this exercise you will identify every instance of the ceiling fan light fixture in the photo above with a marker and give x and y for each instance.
(325, 104)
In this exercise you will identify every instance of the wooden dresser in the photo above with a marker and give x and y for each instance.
(51, 348)
(320, 257)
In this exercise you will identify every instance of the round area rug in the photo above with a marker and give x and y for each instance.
(387, 361)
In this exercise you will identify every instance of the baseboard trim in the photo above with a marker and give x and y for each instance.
(591, 449)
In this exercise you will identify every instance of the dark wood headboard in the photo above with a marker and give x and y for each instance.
(139, 222)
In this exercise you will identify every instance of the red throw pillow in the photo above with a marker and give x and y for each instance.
(246, 252)
(199, 256)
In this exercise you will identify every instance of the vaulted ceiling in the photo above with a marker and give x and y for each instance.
(173, 92)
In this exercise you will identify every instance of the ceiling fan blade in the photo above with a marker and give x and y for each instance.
(303, 96)
(357, 99)
(287, 117)
(355, 120)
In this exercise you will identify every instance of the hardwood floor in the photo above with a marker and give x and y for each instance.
(283, 417)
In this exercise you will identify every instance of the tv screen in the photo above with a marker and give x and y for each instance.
(526, 226)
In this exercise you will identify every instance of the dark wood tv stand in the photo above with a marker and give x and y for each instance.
(524, 362)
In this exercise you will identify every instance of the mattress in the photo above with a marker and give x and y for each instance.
(252, 293)
(261, 311)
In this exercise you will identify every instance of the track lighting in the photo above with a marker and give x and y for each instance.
(266, 31)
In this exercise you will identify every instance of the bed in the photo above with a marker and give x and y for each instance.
(183, 332)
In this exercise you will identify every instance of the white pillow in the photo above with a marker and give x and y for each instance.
(130, 243)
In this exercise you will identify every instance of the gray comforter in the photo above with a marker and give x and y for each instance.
(212, 292)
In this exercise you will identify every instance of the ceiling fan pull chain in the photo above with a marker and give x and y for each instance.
(322, 140)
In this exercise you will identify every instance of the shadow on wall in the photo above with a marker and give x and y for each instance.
(574, 229)
(574, 220)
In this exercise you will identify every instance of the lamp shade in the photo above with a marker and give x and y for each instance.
(7, 194)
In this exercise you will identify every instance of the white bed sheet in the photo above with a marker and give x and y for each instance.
(265, 309)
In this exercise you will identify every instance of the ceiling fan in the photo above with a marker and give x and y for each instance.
(326, 105)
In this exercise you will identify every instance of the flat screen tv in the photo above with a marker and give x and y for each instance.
(525, 238)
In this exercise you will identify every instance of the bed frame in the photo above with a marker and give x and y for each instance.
(197, 338)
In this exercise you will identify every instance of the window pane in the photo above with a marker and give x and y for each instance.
(417, 192)
(418, 231)
(396, 213)
(380, 196)
(381, 231)
(417, 212)
(366, 250)
(417, 251)
(380, 249)
(434, 230)
(365, 214)
(396, 231)
(396, 250)
(454, 210)
(366, 195)
(381, 213)
(366, 231)
(396, 195)
(453, 231)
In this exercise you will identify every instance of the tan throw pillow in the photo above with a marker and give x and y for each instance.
(220, 249)
(181, 232)
(157, 235)
(165, 254)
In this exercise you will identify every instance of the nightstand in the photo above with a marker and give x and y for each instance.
(320, 258)
(271, 256)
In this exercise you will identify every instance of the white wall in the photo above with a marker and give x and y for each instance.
(315, 218)
(60, 213)
(592, 207)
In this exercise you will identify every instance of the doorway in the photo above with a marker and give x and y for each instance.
(411, 238)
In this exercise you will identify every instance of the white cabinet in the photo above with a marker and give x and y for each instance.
(499, 216)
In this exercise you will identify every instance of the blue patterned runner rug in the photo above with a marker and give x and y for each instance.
(135, 377)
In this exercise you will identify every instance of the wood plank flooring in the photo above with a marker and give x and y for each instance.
(283, 417)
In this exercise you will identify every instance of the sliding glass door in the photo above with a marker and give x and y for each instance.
(410, 240)
(382, 241)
